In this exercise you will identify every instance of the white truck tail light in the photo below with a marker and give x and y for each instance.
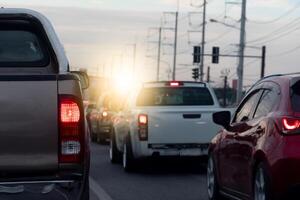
(143, 127)
(71, 130)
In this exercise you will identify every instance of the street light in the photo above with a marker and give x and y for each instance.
(223, 23)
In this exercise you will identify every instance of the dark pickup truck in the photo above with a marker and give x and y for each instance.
(44, 142)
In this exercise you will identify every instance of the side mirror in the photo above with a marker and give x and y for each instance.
(83, 78)
(222, 118)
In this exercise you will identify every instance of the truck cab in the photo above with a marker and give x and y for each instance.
(44, 145)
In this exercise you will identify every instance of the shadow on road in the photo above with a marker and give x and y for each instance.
(180, 165)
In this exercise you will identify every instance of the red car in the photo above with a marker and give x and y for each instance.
(257, 154)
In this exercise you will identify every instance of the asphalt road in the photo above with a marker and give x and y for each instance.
(160, 179)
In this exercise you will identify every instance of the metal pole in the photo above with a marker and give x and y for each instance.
(158, 55)
(134, 59)
(203, 41)
(175, 46)
(208, 74)
(263, 62)
(240, 70)
(225, 92)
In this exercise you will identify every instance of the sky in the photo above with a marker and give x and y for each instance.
(99, 34)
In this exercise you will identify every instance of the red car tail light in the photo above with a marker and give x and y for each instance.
(143, 127)
(174, 83)
(290, 124)
(71, 130)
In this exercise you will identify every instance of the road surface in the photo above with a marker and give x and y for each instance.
(167, 179)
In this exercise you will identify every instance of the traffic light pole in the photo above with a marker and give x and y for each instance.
(225, 92)
(208, 75)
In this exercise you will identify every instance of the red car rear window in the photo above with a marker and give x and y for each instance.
(296, 96)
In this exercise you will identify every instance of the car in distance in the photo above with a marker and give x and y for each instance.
(108, 105)
(44, 141)
(256, 155)
(164, 119)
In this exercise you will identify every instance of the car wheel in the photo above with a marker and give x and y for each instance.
(114, 154)
(93, 137)
(261, 184)
(86, 191)
(128, 160)
(212, 183)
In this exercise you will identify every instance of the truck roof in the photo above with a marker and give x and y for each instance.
(174, 84)
(52, 36)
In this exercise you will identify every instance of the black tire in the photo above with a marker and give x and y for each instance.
(128, 159)
(212, 181)
(262, 177)
(114, 154)
(93, 136)
(86, 190)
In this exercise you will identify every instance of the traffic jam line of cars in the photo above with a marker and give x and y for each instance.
(255, 155)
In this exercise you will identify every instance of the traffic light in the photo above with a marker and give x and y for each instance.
(215, 55)
(196, 74)
(197, 54)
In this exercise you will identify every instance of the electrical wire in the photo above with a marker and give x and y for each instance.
(280, 36)
(286, 52)
(277, 31)
(277, 18)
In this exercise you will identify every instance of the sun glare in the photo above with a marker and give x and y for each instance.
(124, 83)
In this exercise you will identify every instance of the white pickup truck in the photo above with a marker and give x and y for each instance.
(165, 119)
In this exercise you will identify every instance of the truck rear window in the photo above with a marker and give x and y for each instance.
(21, 48)
(181, 96)
(296, 96)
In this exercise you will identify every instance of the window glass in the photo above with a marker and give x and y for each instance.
(268, 101)
(296, 97)
(180, 96)
(244, 112)
(20, 46)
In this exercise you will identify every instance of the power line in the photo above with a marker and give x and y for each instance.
(286, 52)
(277, 31)
(281, 36)
(290, 11)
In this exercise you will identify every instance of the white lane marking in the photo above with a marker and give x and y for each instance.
(98, 190)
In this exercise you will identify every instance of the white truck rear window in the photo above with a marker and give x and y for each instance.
(177, 96)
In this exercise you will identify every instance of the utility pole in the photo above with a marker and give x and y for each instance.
(225, 91)
(263, 62)
(203, 40)
(134, 59)
(159, 52)
(208, 74)
(175, 42)
(240, 70)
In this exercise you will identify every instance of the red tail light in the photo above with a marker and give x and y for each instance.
(71, 131)
(143, 127)
(174, 83)
(290, 124)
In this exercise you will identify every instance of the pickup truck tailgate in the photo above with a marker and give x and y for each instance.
(28, 124)
(175, 125)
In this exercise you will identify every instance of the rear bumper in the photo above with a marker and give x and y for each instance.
(284, 167)
(147, 150)
(38, 190)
